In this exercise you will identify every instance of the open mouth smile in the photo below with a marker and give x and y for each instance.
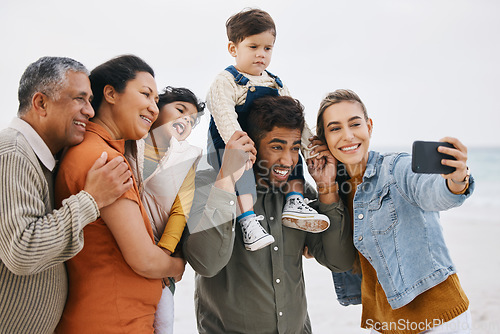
(281, 172)
(147, 119)
(82, 124)
(349, 148)
(179, 127)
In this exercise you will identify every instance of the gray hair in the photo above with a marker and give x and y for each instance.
(46, 75)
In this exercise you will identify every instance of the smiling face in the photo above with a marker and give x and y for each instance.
(135, 109)
(69, 112)
(176, 119)
(253, 54)
(277, 155)
(347, 134)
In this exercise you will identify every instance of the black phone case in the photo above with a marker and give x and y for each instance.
(427, 159)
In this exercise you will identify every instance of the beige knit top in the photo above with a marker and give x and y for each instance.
(225, 94)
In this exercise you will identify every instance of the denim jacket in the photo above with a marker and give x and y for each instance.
(397, 229)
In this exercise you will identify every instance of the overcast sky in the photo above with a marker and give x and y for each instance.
(424, 68)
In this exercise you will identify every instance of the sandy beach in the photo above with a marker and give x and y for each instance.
(470, 232)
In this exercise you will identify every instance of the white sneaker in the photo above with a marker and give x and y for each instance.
(297, 214)
(254, 235)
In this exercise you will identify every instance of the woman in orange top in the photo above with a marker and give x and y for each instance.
(115, 281)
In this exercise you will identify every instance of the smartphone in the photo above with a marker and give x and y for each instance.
(426, 158)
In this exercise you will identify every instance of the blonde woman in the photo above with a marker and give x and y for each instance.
(408, 281)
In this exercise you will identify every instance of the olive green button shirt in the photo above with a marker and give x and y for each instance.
(239, 291)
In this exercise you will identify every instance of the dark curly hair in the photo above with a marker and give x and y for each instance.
(269, 111)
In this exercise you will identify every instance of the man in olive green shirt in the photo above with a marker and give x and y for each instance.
(238, 291)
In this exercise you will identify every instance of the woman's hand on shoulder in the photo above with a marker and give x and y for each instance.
(455, 180)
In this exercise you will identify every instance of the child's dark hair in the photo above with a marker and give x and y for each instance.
(249, 22)
(115, 72)
(173, 94)
(269, 111)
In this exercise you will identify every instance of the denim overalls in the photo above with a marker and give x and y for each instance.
(215, 144)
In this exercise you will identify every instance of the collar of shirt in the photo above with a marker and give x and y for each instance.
(117, 144)
(36, 142)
